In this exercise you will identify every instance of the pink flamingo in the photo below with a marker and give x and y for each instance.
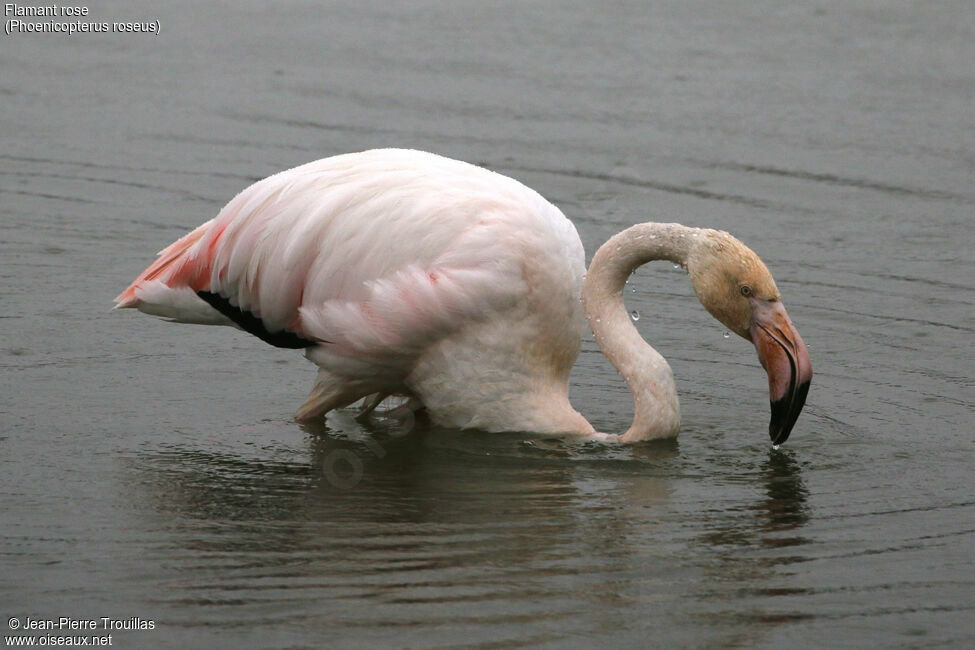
(405, 273)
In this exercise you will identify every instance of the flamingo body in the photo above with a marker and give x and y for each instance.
(402, 272)
(406, 273)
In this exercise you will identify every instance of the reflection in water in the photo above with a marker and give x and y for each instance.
(785, 507)
(746, 562)
(446, 531)
(440, 529)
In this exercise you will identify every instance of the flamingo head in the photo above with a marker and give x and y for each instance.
(736, 287)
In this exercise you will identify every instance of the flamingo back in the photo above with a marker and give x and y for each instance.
(373, 258)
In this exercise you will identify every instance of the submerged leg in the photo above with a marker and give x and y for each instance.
(331, 392)
(370, 403)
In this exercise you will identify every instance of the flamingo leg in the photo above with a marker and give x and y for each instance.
(369, 404)
(331, 392)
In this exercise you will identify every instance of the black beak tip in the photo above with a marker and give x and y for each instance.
(778, 428)
(785, 412)
(779, 437)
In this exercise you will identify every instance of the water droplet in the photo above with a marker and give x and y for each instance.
(776, 447)
(727, 335)
(635, 315)
(676, 266)
(633, 290)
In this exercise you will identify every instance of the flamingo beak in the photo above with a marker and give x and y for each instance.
(786, 360)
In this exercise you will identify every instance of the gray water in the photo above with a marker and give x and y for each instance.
(152, 470)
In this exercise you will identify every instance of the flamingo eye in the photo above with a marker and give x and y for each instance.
(745, 290)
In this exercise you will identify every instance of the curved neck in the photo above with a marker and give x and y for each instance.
(656, 411)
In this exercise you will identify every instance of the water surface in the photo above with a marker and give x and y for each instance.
(152, 470)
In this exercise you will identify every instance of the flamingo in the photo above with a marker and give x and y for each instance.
(406, 273)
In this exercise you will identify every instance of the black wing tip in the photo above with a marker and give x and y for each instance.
(254, 325)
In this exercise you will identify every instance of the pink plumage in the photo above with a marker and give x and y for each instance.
(378, 257)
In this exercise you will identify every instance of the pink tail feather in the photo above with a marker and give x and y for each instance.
(170, 267)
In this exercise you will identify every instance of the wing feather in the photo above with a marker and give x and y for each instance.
(375, 253)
